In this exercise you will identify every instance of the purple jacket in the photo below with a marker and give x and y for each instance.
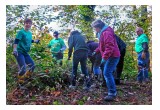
(107, 44)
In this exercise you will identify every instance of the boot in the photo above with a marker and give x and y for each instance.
(21, 78)
(109, 98)
(28, 74)
(87, 83)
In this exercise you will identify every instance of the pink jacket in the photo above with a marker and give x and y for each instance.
(107, 44)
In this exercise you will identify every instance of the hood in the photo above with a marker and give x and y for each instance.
(109, 29)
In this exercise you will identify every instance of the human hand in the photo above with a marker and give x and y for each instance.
(15, 52)
(103, 61)
(143, 55)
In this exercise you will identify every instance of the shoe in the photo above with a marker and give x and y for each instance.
(21, 78)
(72, 87)
(146, 80)
(138, 82)
(109, 98)
(28, 74)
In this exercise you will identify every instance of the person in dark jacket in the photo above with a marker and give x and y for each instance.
(95, 59)
(80, 54)
(119, 68)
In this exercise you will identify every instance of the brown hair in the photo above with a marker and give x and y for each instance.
(27, 20)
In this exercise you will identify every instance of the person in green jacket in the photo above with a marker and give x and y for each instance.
(57, 47)
(141, 47)
(21, 48)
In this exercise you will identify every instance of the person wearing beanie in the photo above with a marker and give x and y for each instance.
(57, 47)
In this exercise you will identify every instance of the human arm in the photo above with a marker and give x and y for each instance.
(145, 49)
(70, 45)
(16, 41)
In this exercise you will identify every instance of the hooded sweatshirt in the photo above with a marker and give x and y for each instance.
(107, 44)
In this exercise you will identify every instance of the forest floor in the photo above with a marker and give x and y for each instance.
(128, 93)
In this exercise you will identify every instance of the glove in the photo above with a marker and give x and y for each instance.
(15, 52)
(94, 53)
(37, 41)
(103, 61)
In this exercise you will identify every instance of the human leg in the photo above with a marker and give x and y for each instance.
(74, 69)
(109, 67)
(30, 63)
(119, 67)
(21, 64)
(142, 67)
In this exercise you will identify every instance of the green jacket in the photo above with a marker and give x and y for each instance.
(25, 41)
(56, 45)
(140, 39)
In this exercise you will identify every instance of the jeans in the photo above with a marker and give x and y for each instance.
(79, 56)
(97, 64)
(23, 60)
(143, 65)
(109, 67)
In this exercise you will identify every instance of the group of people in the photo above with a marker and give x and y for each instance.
(107, 54)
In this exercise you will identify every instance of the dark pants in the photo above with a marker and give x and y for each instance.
(119, 67)
(23, 60)
(118, 72)
(79, 56)
(59, 58)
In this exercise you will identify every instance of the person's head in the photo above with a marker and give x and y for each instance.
(74, 32)
(55, 34)
(139, 31)
(27, 23)
(98, 25)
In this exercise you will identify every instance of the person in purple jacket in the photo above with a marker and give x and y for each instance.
(110, 55)
(95, 59)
